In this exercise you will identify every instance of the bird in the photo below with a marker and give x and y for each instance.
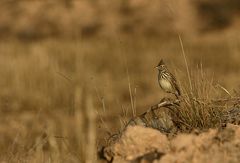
(166, 79)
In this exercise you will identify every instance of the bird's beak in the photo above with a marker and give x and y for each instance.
(156, 67)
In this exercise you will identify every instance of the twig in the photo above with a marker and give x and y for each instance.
(164, 103)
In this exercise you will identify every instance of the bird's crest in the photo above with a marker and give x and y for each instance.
(160, 63)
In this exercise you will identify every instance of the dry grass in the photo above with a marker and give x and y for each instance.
(47, 88)
(48, 116)
(198, 109)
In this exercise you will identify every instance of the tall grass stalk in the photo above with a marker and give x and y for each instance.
(133, 109)
(131, 95)
(91, 142)
(80, 121)
(185, 60)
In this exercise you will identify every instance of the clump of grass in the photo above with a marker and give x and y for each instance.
(198, 109)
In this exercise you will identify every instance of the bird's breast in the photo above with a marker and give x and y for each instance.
(165, 84)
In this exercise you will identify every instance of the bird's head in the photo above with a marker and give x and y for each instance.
(161, 65)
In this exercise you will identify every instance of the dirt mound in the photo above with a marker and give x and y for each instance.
(140, 144)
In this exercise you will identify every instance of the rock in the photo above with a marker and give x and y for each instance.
(139, 144)
(137, 141)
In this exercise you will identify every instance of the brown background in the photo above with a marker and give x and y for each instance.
(55, 52)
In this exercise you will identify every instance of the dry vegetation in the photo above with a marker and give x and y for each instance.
(72, 75)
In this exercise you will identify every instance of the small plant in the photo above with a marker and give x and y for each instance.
(198, 109)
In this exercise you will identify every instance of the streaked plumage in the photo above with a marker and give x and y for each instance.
(166, 80)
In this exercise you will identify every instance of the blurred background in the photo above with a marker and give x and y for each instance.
(72, 70)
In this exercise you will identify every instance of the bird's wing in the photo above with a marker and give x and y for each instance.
(174, 83)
